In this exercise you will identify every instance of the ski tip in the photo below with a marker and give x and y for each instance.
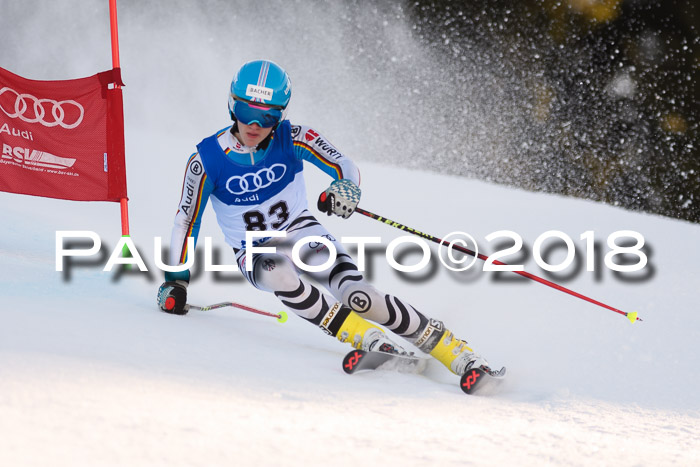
(282, 317)
(632, 317)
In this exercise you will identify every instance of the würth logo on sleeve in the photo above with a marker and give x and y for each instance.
(310, 135)
(326, 147)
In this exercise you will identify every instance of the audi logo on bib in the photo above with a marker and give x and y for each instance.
(67, 114)
(254, 181)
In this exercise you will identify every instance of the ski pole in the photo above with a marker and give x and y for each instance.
(630, 316)
(281, 316)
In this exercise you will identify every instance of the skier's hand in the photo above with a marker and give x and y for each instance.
(340, 198)
(172, 297)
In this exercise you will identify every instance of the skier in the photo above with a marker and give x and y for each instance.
(252, 172)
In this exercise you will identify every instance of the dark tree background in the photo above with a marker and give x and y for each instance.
(589, 98)
(611, 87)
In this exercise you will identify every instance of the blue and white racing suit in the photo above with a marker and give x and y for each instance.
(262, 189)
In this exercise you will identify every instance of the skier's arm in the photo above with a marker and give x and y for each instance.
(342, 196)
(196, 188)
(311, 146)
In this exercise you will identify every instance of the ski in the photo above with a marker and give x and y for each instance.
(476, 381)
(360, 360)
(482, 380)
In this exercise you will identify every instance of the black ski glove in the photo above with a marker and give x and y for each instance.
(172, 297)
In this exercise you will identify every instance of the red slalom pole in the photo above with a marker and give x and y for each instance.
(114, 33)
(630, 316)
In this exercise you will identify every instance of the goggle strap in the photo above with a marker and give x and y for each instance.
(260, 104)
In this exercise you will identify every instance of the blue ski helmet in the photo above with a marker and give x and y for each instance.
(260, 93)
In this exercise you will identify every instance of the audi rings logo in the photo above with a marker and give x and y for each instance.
(254, 181)
(60, 111)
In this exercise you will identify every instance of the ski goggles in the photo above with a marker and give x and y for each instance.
(250, 112)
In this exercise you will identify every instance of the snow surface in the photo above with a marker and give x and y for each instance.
(91, 373)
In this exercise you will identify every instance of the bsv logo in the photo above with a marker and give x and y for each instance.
(33, 157)
(254, 181)
(67, 114)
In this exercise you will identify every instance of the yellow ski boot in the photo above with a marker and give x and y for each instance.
(347, 326)
(456, 355)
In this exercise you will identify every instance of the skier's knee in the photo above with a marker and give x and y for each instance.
(275, 273)
(361, 297)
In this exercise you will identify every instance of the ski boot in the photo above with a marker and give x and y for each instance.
(448, 350)
(475, 374)
(457, 356)
(364, 335)
(347, 326)
(374, 348)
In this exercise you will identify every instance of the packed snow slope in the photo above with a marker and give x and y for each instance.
(91, 373)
